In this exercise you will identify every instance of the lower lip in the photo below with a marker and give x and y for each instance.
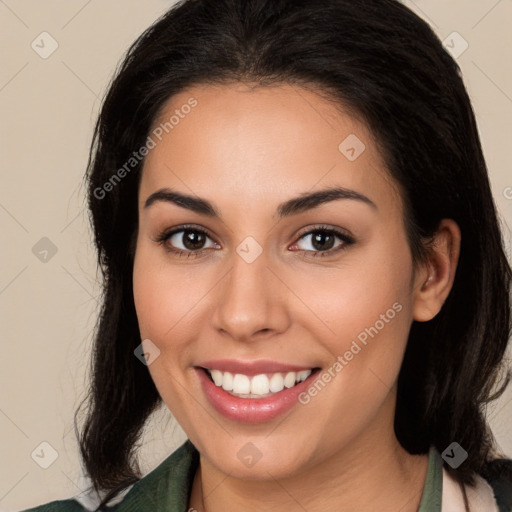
(252, 410)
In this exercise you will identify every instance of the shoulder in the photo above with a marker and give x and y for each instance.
(498, 474)
(492, 491)
(169, 482)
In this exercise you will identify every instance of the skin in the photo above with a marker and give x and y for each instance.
(246, 150)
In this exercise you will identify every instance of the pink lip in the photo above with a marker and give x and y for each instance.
(252, 410)
(250, 368)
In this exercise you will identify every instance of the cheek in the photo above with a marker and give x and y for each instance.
(169, 301)
(367, 307)
(163, 295)
(164, 303)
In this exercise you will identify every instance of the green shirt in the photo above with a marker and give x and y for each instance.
(167, 488)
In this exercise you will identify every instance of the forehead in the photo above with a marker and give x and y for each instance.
(258, 143)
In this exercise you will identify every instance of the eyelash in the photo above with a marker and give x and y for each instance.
(164, 236)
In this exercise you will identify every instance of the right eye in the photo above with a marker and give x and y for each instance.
(191, 239)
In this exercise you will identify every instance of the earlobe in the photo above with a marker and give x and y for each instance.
(434, 283)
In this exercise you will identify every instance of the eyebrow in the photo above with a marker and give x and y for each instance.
(303, 202)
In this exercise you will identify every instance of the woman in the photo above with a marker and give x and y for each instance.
(301, 260)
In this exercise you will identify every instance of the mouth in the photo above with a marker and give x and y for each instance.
(253, 392)
(258, 386)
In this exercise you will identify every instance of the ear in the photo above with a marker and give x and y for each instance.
(434, 280)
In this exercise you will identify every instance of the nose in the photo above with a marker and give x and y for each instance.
(251, 301)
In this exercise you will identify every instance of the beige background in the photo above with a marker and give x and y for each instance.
(48, 309)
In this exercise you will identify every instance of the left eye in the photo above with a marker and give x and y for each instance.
(324, 240)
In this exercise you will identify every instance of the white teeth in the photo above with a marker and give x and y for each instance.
(241, 384)
(276, 383)
(217, 377)
(303, 375)
(227, 381)
(289, 380)
(259, 385)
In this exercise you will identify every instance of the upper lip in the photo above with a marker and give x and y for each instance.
(251, 368)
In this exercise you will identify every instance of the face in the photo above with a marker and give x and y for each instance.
(306, 303)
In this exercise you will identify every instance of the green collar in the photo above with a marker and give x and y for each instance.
(168, 486)
(433, 488)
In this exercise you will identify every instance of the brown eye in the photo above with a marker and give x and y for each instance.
(323, 240)
(192, 240)
(186, 240)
